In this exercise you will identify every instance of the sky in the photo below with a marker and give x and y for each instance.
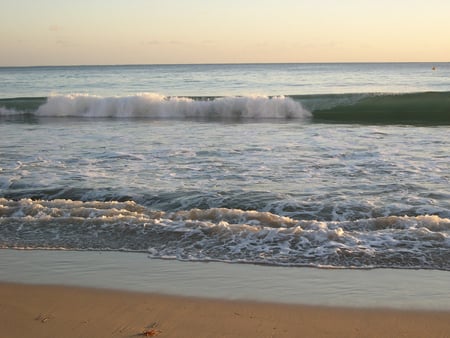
(61, 32)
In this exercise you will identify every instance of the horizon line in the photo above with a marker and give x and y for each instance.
(217, 63)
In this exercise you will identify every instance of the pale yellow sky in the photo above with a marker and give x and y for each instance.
(51, 32)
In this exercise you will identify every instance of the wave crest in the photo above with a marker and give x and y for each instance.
(411, 108)
(152, 105)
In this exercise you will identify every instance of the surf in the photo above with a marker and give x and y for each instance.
(383, 108)
(156, 106)
(225, 234)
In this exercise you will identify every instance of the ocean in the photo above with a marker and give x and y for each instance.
(338, 166)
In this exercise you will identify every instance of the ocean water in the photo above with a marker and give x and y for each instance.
(322, 165)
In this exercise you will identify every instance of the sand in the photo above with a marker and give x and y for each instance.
(60, 311)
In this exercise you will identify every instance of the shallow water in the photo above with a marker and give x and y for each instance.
(280, 193)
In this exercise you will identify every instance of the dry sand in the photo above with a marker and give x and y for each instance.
(58, 311)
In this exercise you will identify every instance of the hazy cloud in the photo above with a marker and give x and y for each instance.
(153, 42)
(54, 28)
(63, 43)
(163, 42)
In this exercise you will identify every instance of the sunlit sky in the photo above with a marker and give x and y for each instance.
(61, 32)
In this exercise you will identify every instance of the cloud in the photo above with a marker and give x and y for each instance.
(55, 28)
(163, 42)
(152, 42)
(63, 43)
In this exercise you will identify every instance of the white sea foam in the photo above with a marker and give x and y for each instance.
(154, 105)
(231, 235)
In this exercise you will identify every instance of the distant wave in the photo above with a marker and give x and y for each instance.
(151, 105)
(425, 107)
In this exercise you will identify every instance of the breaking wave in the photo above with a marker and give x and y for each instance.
(229, 235)
(151, 105)
(425, 107)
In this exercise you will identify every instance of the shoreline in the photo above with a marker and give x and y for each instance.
(54, 311)
(379, 288)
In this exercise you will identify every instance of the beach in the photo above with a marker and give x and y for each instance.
(56, 311)
(87, 294)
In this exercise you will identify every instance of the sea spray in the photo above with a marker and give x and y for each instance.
(152, 105)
